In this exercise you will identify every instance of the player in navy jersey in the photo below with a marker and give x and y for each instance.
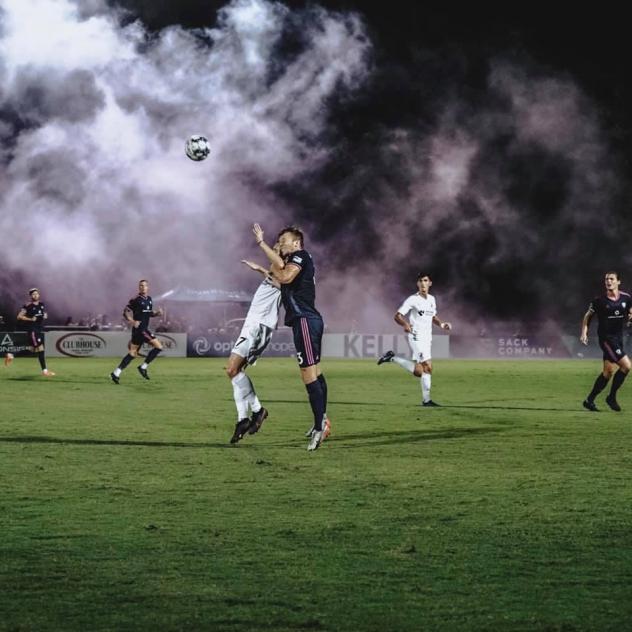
(296, 273)
(33, 315)
(138, 312)
(614, 311)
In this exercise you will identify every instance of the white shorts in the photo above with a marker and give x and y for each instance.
(421, 348)
(252, 342)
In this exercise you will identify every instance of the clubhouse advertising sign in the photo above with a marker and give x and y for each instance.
(97, 344)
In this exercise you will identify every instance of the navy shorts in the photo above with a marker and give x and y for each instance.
(141, 336)
(36, 338)
(612, 347)
(308, 336)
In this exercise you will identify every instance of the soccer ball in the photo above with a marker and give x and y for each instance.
(197, 147)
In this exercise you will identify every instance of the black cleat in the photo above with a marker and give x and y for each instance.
(588, 405)
(257, 420)
(387, 357)
(115, 378)
(430, 404)
(143, 372)
(612, 402)
(241, 428)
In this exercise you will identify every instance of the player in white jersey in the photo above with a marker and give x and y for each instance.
(261, 320)
(416, 315)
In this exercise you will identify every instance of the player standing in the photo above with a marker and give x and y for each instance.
(422, 308)
(298, 293)
(34, 314)
(138, 312)
(256, 332)
(613, 310)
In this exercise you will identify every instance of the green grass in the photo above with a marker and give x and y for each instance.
(124, 508)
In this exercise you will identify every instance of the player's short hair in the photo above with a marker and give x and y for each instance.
(421, 275)
(143, 281)
(33, 289)
(296, 232)
(613, 272)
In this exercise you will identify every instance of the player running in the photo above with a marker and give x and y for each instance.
(261, 321)
(138, 312)
(422, 308)
(613, 310)
(33, 315)
(295, 272)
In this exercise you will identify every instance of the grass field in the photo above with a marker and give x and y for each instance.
(125, 508)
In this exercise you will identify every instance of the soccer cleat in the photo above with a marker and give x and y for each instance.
(430, 404)
(588, 405)
(47, 373)
(257, 420)
(114, 378)
(326, 428)
(143, 372)
(387, 357)
(316, 440)
(241, 428)
(612, 402)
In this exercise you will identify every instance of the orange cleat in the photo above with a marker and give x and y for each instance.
(326, 428)
(47, 373)
(8, 359)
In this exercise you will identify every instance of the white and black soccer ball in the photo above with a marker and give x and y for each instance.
(197, 147)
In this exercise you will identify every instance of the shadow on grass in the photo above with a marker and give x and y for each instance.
(410, 436)
(112, 442)
(342, 440)
(534, 408)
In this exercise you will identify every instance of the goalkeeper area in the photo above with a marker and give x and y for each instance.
(126, 508)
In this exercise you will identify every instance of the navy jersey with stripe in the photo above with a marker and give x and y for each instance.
(299, 296)
(612, 314)
(142, 308)
(36, 310)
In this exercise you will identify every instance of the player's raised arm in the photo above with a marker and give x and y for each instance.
(272, 253)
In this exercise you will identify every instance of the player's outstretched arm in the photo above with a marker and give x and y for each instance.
(255, 266)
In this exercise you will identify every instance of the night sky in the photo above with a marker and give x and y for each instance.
(489, 148)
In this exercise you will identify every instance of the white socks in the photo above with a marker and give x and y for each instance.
(244, 395)
(117, 372)
(407, 365)
(426, 380)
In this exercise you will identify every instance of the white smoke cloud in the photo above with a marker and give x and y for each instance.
(95, 189)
